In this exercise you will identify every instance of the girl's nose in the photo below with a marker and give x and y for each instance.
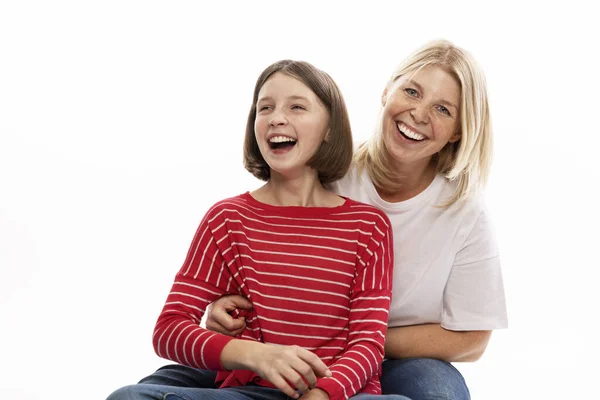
(277, 119)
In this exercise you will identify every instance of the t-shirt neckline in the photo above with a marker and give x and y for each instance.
(405, 204)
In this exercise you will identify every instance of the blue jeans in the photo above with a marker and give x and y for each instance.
(178, 382)
(423, 379)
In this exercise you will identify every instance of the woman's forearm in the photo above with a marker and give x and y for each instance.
(431, 340)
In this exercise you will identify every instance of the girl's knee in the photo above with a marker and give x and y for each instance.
(124, 393)
(137, 392)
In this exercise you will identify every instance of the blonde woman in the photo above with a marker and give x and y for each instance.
(425, 167)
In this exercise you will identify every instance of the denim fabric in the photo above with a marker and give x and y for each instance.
(145, 391)
(178, 382)
(423, 379)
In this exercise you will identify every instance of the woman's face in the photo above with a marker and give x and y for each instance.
(421, 114)
(290, 125)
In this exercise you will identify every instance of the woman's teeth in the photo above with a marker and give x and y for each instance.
(406, 131)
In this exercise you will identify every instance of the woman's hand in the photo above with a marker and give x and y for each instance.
(218, 318)
(280, 365)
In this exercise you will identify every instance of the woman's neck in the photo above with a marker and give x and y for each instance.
(413, 178)
(304, 191)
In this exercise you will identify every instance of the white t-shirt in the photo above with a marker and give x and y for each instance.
(447, 267)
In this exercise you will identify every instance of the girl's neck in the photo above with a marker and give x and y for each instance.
(414, 179)
(304, 191)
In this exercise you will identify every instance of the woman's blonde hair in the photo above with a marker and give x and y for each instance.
(466, 161)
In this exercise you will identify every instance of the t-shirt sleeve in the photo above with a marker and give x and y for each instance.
(474, 294)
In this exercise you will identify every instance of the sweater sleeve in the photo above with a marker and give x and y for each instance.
(202, 279)
(369, 310)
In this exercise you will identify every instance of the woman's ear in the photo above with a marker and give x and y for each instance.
(455, 138)
(326, 138)
(384, 96)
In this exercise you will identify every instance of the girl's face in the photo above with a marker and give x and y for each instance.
(290, 125)
(421, 114)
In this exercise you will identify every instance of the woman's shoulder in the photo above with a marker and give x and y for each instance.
(353, 184)
(472, 204)
(474, 221)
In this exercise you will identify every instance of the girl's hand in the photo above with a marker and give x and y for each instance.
(283, 366)
(315, 394)
(218, 318)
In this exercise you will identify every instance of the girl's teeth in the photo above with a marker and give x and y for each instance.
(413, 135)
(281, 139)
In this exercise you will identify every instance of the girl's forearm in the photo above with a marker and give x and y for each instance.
(240, 354)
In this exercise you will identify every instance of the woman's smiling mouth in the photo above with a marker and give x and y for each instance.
(408, 133)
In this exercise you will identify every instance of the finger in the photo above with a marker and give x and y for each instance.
(318, 366)
(219, 318)
(280, 383)
(305, 372)
(238, 331)
(240, 302)
(230, 323)
(229, 302)
(294, 377)
(231, 327)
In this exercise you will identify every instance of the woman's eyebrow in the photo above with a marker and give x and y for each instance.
(416, 84)
(448, 104)
(420, 88)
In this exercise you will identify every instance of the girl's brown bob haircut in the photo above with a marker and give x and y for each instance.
(333, 158)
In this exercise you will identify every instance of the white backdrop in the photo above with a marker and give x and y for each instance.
(121, 122)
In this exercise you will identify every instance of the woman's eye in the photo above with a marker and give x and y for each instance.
(444, 110)
(262, 108)
(297, 107)
(411, 92)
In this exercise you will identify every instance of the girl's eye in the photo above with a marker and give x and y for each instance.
(297, 107)
(443, 110)
(262, 108)
(411, 92)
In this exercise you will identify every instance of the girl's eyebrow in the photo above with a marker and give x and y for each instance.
(294, 97)
(298, 98)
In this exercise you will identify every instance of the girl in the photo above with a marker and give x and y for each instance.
(425, 167)
(315, 266)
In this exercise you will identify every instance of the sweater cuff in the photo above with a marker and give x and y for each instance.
(214, 348)
(333, 388)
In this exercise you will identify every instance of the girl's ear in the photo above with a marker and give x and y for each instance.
(326, 138)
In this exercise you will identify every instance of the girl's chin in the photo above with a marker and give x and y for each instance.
(290, 173)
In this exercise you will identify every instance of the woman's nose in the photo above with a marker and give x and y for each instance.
(420, 114)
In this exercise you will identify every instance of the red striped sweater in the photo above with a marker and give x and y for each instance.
(319, 278)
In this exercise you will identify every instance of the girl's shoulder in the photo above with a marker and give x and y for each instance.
(231, 205)
(368, 211)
